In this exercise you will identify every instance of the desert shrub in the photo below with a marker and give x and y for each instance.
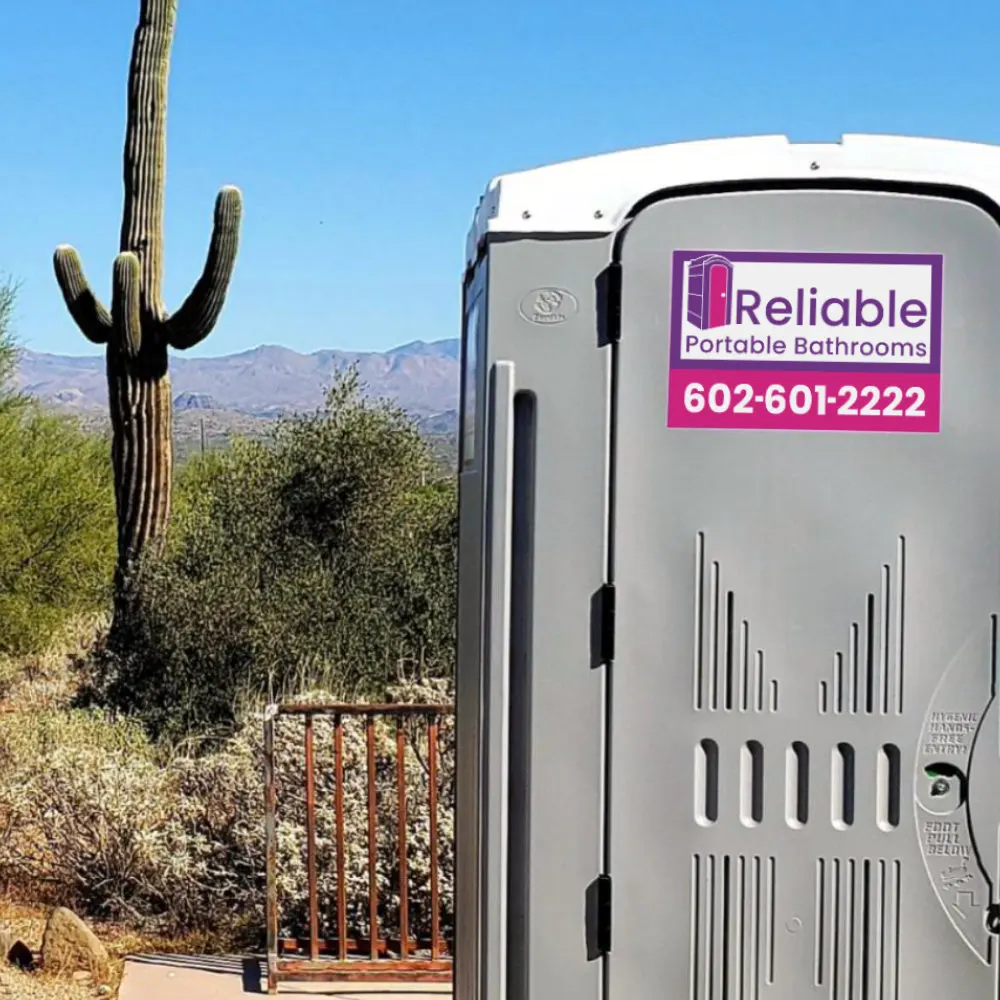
(57, 522)
(90, 810)
(57, 527)
(318, 558)
(78, 793)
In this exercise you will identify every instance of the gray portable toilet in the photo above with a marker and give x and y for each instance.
(730, 576)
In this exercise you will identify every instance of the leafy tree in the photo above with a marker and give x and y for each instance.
(324, 556)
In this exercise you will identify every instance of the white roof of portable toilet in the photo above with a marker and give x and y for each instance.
(596, 193)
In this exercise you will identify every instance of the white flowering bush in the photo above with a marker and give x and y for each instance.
(91, 813)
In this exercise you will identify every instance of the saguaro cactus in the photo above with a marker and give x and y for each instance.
(138, 330)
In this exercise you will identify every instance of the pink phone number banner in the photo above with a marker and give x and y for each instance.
(806, 341)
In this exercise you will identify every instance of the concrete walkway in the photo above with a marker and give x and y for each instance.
(168, 977)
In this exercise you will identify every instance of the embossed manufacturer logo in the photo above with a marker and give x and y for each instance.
(548, 306)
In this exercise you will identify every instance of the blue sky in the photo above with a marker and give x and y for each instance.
(362, 134)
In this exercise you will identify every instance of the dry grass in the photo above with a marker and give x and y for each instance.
(51, 679)
(28, 923)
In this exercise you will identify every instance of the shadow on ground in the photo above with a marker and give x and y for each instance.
(249, 969)
(191, 977)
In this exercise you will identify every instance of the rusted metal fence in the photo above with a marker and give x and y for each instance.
(331, 953)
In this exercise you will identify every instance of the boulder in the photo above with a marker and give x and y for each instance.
(69, 945)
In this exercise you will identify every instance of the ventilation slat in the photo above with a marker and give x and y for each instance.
(732, 947)
(727, 673)
(856, 945)
(867, 675)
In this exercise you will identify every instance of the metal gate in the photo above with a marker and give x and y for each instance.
(340, 940)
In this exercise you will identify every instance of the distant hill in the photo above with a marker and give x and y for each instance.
(241, 393)
(194, 401)
(266, 381)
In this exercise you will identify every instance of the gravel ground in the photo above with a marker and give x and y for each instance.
(25, 986)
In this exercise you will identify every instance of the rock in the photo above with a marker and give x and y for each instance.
(69, 945)
(14, 951)
(82, 977)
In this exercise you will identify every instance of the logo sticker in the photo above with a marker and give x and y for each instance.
(805, 341)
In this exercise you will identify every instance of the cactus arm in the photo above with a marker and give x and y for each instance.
(89, 314)
(126, 302)
(194, 320)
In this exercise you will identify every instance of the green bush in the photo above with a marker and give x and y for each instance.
(57, 521)
(322, 557)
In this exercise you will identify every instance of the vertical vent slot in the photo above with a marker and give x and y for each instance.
(842, 786)
(730, 652)
(888, 787)
(715, 610)
(869, 692)
(819, 944)
(797, 785)
(706, 782)
(752, 784)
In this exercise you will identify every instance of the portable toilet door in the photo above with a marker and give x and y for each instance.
(798, 463)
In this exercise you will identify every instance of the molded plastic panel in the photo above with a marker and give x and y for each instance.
(805, 759)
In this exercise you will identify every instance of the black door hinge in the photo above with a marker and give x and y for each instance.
(606, 611)
(598, 917)
(610, 304)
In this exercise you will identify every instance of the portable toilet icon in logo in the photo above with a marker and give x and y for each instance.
(709, 303)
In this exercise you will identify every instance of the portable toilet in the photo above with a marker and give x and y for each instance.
(730, 576)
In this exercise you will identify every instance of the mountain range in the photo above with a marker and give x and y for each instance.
(263, 382)
(241, 393)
